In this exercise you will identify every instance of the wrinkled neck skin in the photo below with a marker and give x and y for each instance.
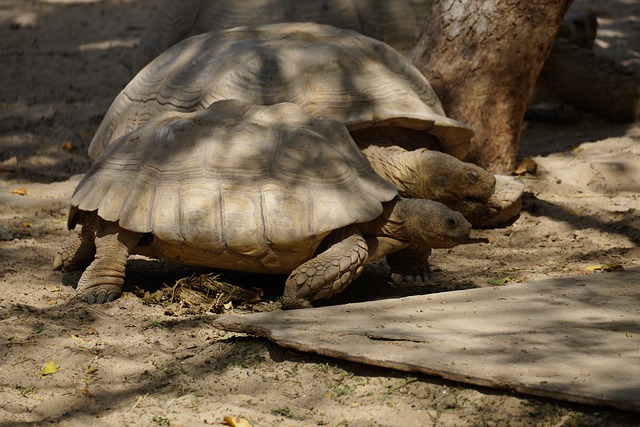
(431, 175)
(401, 168)
(391, 223)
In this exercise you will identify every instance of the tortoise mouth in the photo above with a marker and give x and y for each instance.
(442, 241)
(467, 198)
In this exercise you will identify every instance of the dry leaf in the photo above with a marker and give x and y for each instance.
(498, 282)
(236, 422)
(526, 166)
(49, 368)
(68, 146)
(91, 331)
(605, 267)
(20, 191)
(91, 370)
(86, 392)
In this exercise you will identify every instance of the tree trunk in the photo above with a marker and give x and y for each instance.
(482, 58)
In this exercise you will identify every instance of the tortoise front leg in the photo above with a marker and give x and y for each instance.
(410, 265)
(329, 273)
(102, 281)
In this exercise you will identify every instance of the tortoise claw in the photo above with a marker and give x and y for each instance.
(416, 277)
(99, 297)
(295, 303)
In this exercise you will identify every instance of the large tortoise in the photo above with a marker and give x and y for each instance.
(265, 189)
(396, 22)
(614, 91)
(331, 73)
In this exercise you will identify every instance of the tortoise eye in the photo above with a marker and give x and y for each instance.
(473, 176)
(451, 222)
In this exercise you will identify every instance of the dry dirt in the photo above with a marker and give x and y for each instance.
(138, 362)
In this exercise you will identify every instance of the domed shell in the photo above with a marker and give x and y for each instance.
(396, 22)
(238, 178)
(330, 73)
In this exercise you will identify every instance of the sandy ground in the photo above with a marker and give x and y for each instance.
(137, 362)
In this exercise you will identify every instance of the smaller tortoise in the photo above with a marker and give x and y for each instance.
(264, 189)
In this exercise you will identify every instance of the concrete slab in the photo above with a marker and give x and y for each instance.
(575, 339)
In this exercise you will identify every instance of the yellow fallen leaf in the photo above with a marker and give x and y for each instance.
(526, 166)
(87, 393)
(605, 267)
(236, 422)
(49, 368)
(91, 370)
(20, 191)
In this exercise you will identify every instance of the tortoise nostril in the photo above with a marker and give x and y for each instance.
(473, 176)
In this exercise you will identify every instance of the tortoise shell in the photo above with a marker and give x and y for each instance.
(235, 185)
(330, 73)
(397, 22)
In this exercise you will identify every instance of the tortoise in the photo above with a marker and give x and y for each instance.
(339, 74)
(397, 22)
(571, 66)
(263, 189)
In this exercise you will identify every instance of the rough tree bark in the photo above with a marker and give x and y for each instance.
(482, 58)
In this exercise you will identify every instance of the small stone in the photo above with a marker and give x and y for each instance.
(4, 234)
(24, 20)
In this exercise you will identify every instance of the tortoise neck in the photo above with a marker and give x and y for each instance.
(391, 223)
(398, 166)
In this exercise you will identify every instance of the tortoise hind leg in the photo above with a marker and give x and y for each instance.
(80, 249)
(329, 273)
(102, 281)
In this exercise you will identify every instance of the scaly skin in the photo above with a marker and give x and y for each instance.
(102, 281)
(80, 249)
(329, 273)
(422, 225)
(410, 265)
(432, 175)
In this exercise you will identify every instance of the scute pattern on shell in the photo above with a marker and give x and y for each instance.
(396, 22)
(235, 176)
(330, 73)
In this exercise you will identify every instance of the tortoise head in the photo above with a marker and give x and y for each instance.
(462, 186)
(430, 223)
